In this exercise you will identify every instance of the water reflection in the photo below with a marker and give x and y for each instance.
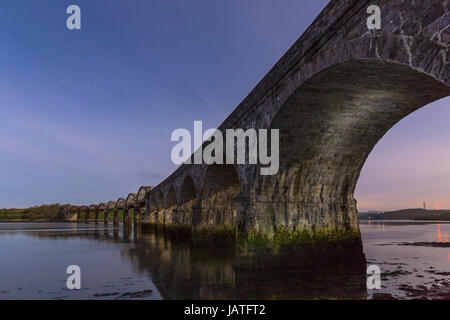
(413, 256)
(180, 271)
(440, 234)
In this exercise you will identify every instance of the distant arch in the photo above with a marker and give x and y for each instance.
(160, 212)
(153, 209)
(84, 213)
(188, 201)
(143, 193)
(121, 203)
(131, 200)
(102, 213)
(221, 187)
(111, 206)
(171, 206)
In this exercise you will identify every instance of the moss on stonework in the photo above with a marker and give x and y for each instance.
(292, 249)
(283, 239)
(209, 236)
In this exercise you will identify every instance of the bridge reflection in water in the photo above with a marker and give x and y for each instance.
(182, 271)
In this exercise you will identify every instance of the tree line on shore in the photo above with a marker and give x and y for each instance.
(49, 212)
(45, 212)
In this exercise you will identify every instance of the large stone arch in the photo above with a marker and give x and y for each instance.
(188, 201)
(218, 204)
(333, 112)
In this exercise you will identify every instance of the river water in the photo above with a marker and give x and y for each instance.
(414, 259)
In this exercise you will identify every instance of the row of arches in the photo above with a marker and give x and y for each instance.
(211, 202)
(328, 127)
(131, 206)
(331, 109)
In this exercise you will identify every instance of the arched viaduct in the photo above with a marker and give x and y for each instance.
(333, 96)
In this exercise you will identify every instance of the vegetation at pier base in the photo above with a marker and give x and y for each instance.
(291, 249)
(50, 212)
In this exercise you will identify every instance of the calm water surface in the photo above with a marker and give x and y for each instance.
(128, 264)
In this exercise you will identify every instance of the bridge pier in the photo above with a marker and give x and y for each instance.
(115, 217)
(137, 215)
(96, 217)
(291, 235)
(126, 217)
(68, 213)
(137, 232)
(127, 231)
(141, 201)
(150, 220)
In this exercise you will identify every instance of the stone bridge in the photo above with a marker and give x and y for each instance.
(333, 95)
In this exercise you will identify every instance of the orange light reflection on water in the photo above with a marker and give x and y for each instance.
(439, 234)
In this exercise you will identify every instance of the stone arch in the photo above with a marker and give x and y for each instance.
(130, 206)
(143, 201)
(220, 189)
(93, 209)
(160, 212)
(121, 208)
(143, 193)
(120, 203)
(170, 211)
(84, 213)
(153, 218)
(111, 207)
(102, 211)
(329, 123)
(131, 200)
(75, 210)
(188, 201)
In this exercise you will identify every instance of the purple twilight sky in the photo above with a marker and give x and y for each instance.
(86, 116)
